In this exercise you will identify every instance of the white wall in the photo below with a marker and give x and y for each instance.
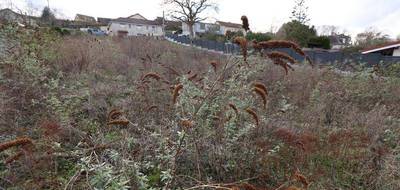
(224, 29)
(396, 52)
(135, 29)
(197, 28)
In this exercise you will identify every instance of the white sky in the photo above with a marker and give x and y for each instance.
(352, 15)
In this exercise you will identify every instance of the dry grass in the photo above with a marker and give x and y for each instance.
(339, 131)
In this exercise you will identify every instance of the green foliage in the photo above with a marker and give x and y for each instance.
(232, 35)
(319, 42)
(47, 15)
(213, 37)
(299, 12)
(297, 32)
(259, 37)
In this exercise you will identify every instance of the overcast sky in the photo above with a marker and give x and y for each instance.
(353, 15)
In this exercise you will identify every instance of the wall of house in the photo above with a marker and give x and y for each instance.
(201, 28)
(396, 52)
(224, 29)
(135, 29)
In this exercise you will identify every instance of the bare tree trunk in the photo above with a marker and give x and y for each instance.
(192, 35)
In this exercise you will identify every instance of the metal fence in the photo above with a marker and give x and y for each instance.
(317, 56)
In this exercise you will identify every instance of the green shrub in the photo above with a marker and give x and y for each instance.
(259, 37)
(319, 42)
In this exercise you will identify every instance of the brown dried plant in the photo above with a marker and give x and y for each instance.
(191, 78)
(254, 115)
(284, 44)
(13, 158)
(151, 108)
(261, 86)
(245, 23)
(176, 91)
(17, 142)
(262, 94)
(214, 64)
(186, 123)
(114, 114)
(301, 178)
(242, 42)
(152, 75)
(122, 122)
(284, 65)
(232, 106)
(282, 56)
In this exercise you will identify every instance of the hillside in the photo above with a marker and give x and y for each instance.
(81, 112)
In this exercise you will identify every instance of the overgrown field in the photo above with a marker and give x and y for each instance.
(81, 112)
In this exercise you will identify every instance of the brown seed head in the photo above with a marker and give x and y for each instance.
(242, 42)
(16, 142)
(231, 105)
(175, 94)
(245, 23)
(152, 75)
(13, 158)
(262, 94)
(186, 123)
(280, 55)
(114, 114)
(254, 114)
(261, 86)
(214, 64)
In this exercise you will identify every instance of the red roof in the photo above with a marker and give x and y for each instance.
(389, 45)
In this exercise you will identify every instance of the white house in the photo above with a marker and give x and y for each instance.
(228, 26)
(134, 27)
(389, 49)
(200, 28)
(218, 28)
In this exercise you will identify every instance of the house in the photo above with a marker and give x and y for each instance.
(218, 27)
(134, 27)
(137, 16)
(388, 49)
(84, 18)
(339, 41)
(103, 22)
(200, 28)
(8, 15)
(228, 26)
(170, 26)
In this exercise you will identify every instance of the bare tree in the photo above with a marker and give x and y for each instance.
(327, 30)
(300, 12)
(189, 11)
(371, 37)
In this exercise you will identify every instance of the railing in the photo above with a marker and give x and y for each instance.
(317, 56)
(227, 48)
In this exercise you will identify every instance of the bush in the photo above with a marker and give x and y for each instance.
(259, 37)
(229, 36)
(319, 42)
(297, 32)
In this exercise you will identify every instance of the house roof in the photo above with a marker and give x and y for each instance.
(136, 21)
(137, 15)
(84, 17)
(103, 21)
(229, 24)
(389, 45)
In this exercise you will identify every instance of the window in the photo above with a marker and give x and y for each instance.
(130, 25)
(202, 26)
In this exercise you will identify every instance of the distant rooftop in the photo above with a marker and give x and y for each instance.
(390, 45)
